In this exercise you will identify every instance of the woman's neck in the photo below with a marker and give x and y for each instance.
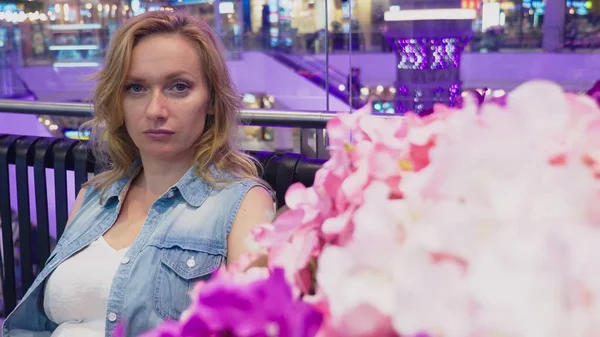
(158, 176)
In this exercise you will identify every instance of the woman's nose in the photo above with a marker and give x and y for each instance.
(157, 106)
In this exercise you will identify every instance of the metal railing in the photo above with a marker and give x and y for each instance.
(284, 118)
(305, 120)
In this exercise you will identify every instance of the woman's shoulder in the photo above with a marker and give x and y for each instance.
(229, 179)
(239, 187)
(87, 197)
(249, 188)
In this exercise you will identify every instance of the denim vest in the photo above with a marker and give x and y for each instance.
(183, 240)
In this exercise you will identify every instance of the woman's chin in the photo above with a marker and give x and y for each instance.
(160, 153)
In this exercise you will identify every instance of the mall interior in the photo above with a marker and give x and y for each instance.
(329, 55)
(292, 61)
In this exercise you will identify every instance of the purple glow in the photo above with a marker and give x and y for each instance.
(412, 54)
(427, 72)
(421, 99)
(454, 94)
(434, 54)
(403, 90)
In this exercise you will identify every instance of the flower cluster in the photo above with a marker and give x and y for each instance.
(471, 222)
(233, 306)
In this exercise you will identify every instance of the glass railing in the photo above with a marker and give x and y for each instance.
(492, 40)
(45, 43)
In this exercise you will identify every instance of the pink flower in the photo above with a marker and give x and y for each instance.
(263, 308)
(594, 92)
(418, 155)
(357, 275)
(468, 222)
(294, 257)
(361, 321)
(308, 200)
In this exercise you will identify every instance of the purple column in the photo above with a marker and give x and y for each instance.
(428, 44)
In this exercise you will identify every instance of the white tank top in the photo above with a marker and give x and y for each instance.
(76, 293)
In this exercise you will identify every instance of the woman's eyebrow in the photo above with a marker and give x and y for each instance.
(168, 77)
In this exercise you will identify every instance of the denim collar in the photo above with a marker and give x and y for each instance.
(192, 189)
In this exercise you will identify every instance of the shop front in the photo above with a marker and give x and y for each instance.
(302, 24)
(69, 33)
(224, 16)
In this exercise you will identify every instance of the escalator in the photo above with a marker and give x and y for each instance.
(315, 71)
(12, 86)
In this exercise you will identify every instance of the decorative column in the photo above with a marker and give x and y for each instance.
(428, 44)
(554, 25)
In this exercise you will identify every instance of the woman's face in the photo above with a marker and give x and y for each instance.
(165, 97)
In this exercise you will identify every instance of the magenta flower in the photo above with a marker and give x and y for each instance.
(263, 308)
(594, 92)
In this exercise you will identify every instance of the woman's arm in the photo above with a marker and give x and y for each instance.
(257, 208)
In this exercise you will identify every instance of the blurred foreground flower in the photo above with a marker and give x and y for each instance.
(260, 308)
(482, 221)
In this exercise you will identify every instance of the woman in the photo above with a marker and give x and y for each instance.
(177, 201)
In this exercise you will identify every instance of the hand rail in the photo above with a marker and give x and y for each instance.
(263, 117)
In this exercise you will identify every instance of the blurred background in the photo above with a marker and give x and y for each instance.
(312, 55)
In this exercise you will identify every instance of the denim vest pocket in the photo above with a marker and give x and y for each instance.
(182, 266)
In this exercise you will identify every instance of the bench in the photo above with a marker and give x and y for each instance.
(32, 224)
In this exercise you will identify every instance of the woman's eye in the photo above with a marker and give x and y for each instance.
(180, 87)
(135, 88)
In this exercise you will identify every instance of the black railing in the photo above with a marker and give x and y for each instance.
(23, 257)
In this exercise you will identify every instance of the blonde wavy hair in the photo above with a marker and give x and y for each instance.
(112, 146)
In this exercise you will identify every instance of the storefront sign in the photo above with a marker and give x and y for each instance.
(581, 7)
(188, 2)
(8, 7)
(538, 5)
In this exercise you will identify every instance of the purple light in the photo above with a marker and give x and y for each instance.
(427, 72)
(454, 91)
(412, 54)
(403, 90)
(418, 99)
(434, 54)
